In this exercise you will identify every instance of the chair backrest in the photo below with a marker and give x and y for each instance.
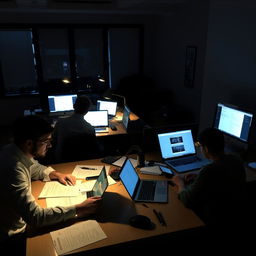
(80, 147)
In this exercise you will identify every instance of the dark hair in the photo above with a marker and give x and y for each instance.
(213, 139)
(30, 127)
(82, 104)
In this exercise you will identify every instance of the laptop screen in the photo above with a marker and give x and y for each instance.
(97, 118)
(110, 106)
(174, 144)
(60, 103)
(126, 116)
(101, 183)
(129, 177)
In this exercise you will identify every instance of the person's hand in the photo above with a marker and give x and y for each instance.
(87, 207)
(65, 179)
(189, 178)
(179, 181)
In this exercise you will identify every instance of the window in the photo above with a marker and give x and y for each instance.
(17, 62)
(63, 59)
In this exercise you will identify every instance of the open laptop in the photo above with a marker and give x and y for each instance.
(178, 151)
(100, 185)
(143, 190)
(98, 119)
(126, 117)
(61, 104)
(110, 106)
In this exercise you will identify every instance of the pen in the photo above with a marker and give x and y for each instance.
(88, 168)
(158, 216)
(92, 177)
(162, 219)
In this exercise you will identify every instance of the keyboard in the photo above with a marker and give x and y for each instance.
(101, 129)
(187, 160)
(147, 190)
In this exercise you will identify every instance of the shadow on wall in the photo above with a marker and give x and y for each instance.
(154, 106)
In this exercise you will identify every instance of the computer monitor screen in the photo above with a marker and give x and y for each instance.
(110, 106)
(60, 103)
(97, 118)
(233, 121)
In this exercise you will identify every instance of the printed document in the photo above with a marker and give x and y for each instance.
(56, 189)
(76, 236)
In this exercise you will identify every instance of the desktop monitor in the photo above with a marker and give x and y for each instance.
(97, 118)
(110, 106)
(61, 103)
(233, 121)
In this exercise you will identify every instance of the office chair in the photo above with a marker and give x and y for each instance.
(81, 147)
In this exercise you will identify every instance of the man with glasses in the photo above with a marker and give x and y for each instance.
(32, 139)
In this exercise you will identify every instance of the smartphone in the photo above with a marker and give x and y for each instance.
(166, 170)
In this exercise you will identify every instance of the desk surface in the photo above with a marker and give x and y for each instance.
(113, 217)
(117, 122)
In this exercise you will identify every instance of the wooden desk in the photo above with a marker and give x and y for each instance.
(113, 217)
(117, 122)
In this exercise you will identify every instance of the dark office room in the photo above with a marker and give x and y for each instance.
(170, 66)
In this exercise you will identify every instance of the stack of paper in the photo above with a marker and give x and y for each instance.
(153, 170)
(76, 236)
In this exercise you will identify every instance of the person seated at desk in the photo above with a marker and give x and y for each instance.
(74, 138)
(32, 139)
(216, 194)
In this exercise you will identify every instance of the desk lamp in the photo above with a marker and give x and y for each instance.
(108, 95)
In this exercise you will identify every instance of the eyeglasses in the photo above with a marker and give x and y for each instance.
(46, 141)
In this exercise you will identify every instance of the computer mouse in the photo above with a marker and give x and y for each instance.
(113, 128)
(141, 221)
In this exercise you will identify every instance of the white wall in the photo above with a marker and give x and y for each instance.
(230, 70)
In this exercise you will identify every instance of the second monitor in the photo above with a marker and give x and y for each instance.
(110, 106)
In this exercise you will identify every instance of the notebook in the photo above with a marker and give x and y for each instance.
(178, 151)
(142, 190)
(98, 119)
(100, 185)
(110, 106)
(61, 104)
(126, 116)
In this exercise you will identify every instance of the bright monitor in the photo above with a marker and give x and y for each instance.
(110, 106)
(97, 118)
(233, 121)
(61, 103)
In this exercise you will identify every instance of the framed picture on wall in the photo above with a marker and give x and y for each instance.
(190, 66)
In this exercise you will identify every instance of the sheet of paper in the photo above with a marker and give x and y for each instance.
(56, 189)
(92, 170)
(121, 160)
(76, 236)
(65, 201)
(153, 170)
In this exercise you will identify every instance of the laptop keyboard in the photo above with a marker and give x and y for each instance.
(101, 129)
(183, 161)
(147, 190)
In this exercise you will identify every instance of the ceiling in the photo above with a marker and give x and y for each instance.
(106, 6)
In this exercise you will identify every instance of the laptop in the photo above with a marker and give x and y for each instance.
(178, 151)
(143, 190)
(98, 119)
(61, 104)
(100, 185)
(126, 117)
(110, 106)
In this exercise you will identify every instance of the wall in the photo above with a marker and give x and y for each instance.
(188, 26)
(230, 75)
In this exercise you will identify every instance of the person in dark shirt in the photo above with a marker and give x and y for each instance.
(216, 193)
